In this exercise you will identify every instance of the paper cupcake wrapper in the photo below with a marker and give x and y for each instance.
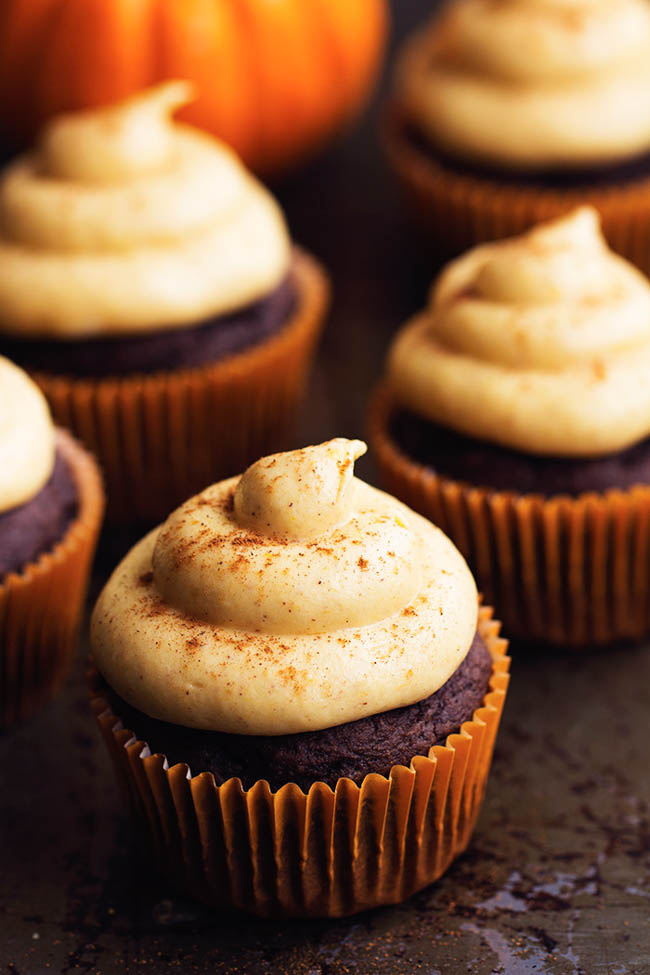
(163, 437)
(464, 210)
(573, 571)
(325, 854)
(41, 607)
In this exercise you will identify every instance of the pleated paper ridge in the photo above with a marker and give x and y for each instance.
(162, 437)
(572, 571)
(325, 854)
(464, 210)
(41, 607)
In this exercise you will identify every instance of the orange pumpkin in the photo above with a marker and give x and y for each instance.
(275, 77)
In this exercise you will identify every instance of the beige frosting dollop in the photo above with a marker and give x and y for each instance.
(534, 83)
(124, 221)
(26, 437)
(539, 342)
(293, 598)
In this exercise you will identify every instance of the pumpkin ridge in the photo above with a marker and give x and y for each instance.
(18, 60)
(357, 48)
(273, 77)
(242, 14)
(334, 81)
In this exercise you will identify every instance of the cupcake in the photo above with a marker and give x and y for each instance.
(51, 503)
(310, 690)
(515, 413)
(149, 284)
(509, 113)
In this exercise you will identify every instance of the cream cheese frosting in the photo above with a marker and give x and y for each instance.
(539, 342)
(293, 598)
(27, 444)
(126, 221)
(534, 83)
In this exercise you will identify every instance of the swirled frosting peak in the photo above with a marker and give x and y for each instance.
(293, 598)
(116, 143)
(126, 221)
(540, 343)
(563, 82)
(26, 437)
(302, 494)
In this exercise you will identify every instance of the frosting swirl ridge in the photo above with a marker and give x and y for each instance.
(550, 76)
(26, 437)
(125, 221)
(293, 598)
(338, 546)
(540, 343)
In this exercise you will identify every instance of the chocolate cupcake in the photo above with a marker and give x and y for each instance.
(313, 731)
(149, 284)
(516, 412)
(508, 114)
(51, 503)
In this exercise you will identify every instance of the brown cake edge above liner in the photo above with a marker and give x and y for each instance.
(461, 458)
(372, 744)
(474, 209)
(197, 344)
(602, 176)
(30, 529)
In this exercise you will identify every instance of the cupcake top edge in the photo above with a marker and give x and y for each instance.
(27, 443)
(540, 343)
(549, 76)
(124, 221)
(293, 598)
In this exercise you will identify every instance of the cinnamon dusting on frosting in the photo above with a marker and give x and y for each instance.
(123, 220)
(563, 84)
(540, 343)
(305, 623)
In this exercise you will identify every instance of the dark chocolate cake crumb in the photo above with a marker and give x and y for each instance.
(371, 744)
(453, 455)
(35, 527)
(180, 348)
(602, 176)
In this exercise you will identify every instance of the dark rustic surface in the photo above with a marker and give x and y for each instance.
(557, 878)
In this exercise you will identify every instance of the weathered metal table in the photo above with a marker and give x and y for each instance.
(557, 878)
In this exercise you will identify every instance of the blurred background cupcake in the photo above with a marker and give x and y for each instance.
(150, 285)
(505, 114)
(515, 413)
(51, 504)
(321, 646)
(274, 80)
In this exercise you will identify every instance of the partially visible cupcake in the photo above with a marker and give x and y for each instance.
(51, 503)
(515, 413)
(509, 113)
(314, 652)
(148, 282)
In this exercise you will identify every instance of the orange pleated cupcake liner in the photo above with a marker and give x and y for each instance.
(462, 210)
(163, 437)
(572, 571)
(325, 854)
(41, 607)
